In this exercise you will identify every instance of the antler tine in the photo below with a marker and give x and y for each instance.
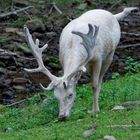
(96, 31)
(50, 86)
(37, 52)
(89, 38)
(85, 36)
(44, 47)
(88, 41)
(29, 37)
(79, 34)
(80, 69)
(90, 32)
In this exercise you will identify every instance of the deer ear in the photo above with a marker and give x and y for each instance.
(65, 85)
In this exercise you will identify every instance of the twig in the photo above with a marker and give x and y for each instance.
(123, 126)
(15, 12)
(29, 17)
(15, 103)
(130, 103)
(5, 52)
(56, 8)
(117, 3)
(128, 46)
(12, 5)
(131, 34)
(50, 11)
(69, 18)
(23, 100)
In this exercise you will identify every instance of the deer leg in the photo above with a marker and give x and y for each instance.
(96, 67)
(105, 66)
(98, 71)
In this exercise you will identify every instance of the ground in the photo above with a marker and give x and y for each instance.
(37, 119)
(36, 116)
(15, 83)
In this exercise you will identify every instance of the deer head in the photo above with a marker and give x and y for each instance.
(64, 87)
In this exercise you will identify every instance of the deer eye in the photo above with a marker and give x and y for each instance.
(70, 96)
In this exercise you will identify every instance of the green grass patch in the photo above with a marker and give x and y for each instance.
(37, 119)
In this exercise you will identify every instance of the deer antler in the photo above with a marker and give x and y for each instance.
(37, 52)
(89, 38)
(88, 41)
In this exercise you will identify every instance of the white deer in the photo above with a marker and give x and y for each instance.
(87, 41)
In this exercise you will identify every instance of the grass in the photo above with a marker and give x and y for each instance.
(37, 120)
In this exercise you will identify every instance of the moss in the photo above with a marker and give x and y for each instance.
(4, 4)
(19, 23)
(53, 62)
(4, 39)
(2, 108)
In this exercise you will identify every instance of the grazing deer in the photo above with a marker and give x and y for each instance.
(87, 41)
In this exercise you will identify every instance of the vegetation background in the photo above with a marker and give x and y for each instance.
(28, 113)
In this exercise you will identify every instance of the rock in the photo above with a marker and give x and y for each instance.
(11, 30)
(8, 95)
(82, 6)
(109, 138)
(2, 82)
(8, 129)
(8, 81)
(89, 2)
(20, 81)
(13, 68)
(1, 29)
(35, 25)
(2, 64)
(11, 73)
(88, 133)
(20, 34)
(51, 34)
(41, 2)
(2, 70)
(2, 85)
(116, 108)
(20, 89)
(21, 3)
(39, 35)
(45, 101)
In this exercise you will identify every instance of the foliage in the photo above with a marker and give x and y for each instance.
(37, 119)
(132, 66)
(19, 23)
(115, 75)
(4, 39)
(53, 62)
(4, 4)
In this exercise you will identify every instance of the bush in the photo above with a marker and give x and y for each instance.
(132, 66)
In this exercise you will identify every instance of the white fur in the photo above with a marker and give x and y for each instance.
(73, 56)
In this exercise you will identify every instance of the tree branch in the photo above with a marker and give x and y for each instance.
(128, 46)
(15, 12)
(131, 34)
(130, 103)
